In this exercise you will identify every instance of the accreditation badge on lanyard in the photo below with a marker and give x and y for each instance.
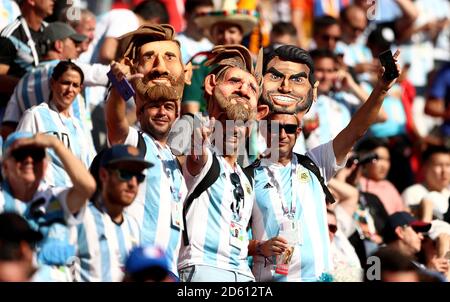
(290, 227)
(236, 235)
(177, 215)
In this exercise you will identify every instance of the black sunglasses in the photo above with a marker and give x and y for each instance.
(332, 228)
(288, 128)
(328, 38)
(238, 191)
(37, 154)
(125, 175)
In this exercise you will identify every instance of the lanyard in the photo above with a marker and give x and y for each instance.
(30, 41)
(176, 195)
(235, 206)
(272, 173)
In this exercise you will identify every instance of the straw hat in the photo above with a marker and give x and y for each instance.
(228, 12)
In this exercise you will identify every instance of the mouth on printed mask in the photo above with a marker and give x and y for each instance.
(282, 99)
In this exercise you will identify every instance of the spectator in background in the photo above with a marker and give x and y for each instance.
(353, 23)
(147, 264)
(326, 33)
(121, 170)
(34, 87)
(105, 45)
(283, 33)
(52, 211)
(405, 234)
(226, 26)
(374, 174)
(395, 266)
(18, 52)
(85, 25)
(430, 199)
(56, 118)
(332, 115)
(438, 102)
(346, 265)
(17, 249)
(364, 222)
(193, 38)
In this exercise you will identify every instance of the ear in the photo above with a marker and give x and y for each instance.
(299, 130)
(102, 174)
(210, 82)
(263, 111)
(188, 73)
(316, 85)
(399, 232)
(59, 46)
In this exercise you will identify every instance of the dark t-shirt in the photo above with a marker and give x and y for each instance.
(16, 53)
(380, 219)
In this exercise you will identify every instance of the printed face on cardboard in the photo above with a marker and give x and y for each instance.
(286, 87)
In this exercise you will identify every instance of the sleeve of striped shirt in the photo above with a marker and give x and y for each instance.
(70, 219)
(12, 112)
(28, 122)
(193, 181)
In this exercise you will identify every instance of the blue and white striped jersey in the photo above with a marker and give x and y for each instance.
(45, 118)
(103, 245)
(311, 258)
(209, 219)
(152, 207)
(34, 89)
(48, 213)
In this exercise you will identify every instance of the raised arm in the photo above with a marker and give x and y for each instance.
(83, 183)
(363, 118)
(116, 119)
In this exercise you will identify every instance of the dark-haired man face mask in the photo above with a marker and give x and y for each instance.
(286, 87)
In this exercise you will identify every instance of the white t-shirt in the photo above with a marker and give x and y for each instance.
(415, 194)
(112, 24)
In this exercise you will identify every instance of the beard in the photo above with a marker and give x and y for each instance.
(236, 112)
(303, 103)
(158, 92)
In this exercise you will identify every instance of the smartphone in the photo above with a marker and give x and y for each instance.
(388, 62)
(124, 87)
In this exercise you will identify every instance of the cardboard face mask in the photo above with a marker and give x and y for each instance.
(153, 52)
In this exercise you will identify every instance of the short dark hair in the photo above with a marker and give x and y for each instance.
(150, 9)
(370, 144)
(191, 5)
(392, 260)
(431, 150)
(293, 54)
(324, 22)
(63, 66)
(284, 28)
(321, 53)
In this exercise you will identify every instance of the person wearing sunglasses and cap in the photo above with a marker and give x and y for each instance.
(405, 234)
(290, 207)
(54, 211)
(119, 173)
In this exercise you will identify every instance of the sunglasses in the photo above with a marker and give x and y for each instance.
(328, 38)
(288, 128)
(238, 191)
(126, 176)
(332, 228)
(37, 154)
